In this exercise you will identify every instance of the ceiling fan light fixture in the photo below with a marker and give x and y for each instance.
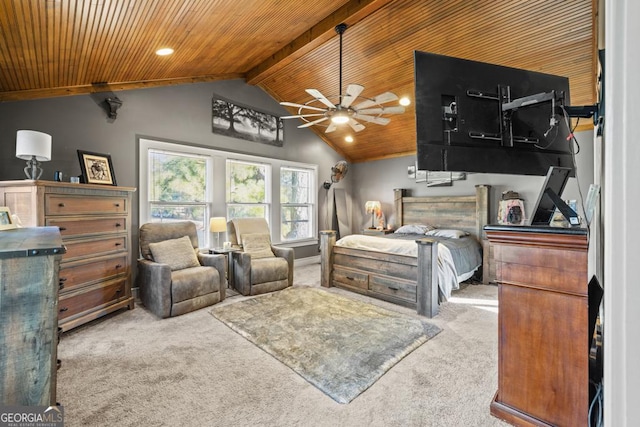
(404, 101)
(340, 117)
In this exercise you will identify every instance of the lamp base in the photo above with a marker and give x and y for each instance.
(33, 169)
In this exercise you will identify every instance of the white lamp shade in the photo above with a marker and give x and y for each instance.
(373, 206)
(218, 224)
(31, 143)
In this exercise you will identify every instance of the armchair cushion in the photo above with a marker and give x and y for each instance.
(258, 245)
(191, 283)
(178, 254)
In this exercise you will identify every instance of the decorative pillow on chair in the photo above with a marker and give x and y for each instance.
(177, 253)
(258, 245)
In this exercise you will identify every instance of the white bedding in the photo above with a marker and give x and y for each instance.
(448, 279)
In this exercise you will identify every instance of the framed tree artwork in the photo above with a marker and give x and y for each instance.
(237, 121)
(96, 168)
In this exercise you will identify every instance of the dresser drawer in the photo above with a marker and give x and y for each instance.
(62, 204)
(92, 298)
(351, 278)
(390, 286)
(75, 274)
(86, 226)
(94, 247)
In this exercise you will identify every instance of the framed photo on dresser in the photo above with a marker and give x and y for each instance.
(96, 168)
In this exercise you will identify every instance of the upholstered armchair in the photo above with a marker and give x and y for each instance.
(258, 267)
(173, 276)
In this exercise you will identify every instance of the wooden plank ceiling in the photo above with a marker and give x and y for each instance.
(52, 48)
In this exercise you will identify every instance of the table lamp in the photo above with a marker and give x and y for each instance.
(34, 147)
(217, 225)
(375, 209)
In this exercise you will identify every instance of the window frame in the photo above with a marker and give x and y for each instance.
(309, 204)
(217, 192)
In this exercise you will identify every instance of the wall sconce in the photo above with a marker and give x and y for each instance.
(34, 147)
(375, 209)
(217, 225)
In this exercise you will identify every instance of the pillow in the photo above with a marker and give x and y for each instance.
(413, 229)
(177, 253)
(442, 232)
(258, 245)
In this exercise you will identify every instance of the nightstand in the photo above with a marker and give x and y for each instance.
(375, 232)
(227, 254)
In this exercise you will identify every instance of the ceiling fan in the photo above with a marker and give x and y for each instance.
(367, 109)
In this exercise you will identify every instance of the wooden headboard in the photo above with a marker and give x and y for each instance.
(468, 213)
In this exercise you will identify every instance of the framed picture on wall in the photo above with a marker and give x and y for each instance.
(96, 168)
(6, 222)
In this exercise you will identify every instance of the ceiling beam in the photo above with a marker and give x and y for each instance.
(351, 13)
(102, 86)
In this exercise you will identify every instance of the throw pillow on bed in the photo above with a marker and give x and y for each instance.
(441, 232)
(177, 253)
(413, 229)
(258, 245)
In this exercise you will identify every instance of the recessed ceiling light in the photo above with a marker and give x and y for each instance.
(164, 51)
(348, 138)
(404, 101)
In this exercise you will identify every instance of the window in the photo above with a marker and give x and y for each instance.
(177, 189)
(247, 190)
(184, 182)
(296, 207)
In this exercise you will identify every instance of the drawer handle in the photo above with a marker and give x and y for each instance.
(118, 244)
(61, 205)
(117, 205)
(62, 279)
(62, 228)
(63, 309)
(60, 286)
(393, 288)
(118, 266)
(350, 278)
(118, 224)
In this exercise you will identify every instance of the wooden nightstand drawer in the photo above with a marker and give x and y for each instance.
(86, 226)
(61, 204)
(351, 278)
(375, 232)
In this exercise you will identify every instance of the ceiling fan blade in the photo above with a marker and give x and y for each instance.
(332, 126)
(353, 91)
(293, 104)
(380, 99)
(320, 97)
(374, 119)
(302, 115)
(306, 125)
(357, 127)
(382, 110)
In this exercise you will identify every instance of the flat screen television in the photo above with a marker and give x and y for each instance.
(479, 117)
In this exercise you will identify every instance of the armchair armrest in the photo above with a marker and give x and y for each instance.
(217, 262)
(288, 254)
(242, 272)
(154, 280)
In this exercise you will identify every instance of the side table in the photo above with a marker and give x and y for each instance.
(376, 232)
(226, 253)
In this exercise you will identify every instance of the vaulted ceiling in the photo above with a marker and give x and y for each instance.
(51, 48)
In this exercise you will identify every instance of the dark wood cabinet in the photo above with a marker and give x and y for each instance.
(543, 352)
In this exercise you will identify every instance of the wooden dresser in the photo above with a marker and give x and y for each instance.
(543, 345)
(95, 224)
(29, 263)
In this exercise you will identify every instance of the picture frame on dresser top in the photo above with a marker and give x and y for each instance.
(96, 168)
(6, 222)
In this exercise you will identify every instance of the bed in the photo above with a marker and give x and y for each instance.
(408, 279)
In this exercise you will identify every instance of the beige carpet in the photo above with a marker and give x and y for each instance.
(135, 369)
(338, 344)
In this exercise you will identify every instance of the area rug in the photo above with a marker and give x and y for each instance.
(340, 345)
